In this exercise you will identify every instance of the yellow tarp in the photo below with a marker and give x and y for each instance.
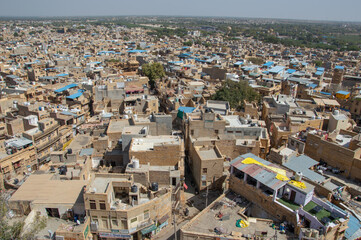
(298, 184)
(242, 223)
(67, 144)
(281, 174)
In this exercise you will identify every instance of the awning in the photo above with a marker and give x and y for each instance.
(148, 229)
(115, 235)
(163, 219)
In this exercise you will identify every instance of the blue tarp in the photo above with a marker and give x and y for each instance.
(62, 75)
(268, 64)
(340, 67)
(182, 110)
(184, 55)
(290, 71)
(76, 95)
(137, 51)
(320, 69)
(353, 226)
(326, 93)
(313, 85)
(318, 73)
(66, 88)
(343, 92)
(186, 109)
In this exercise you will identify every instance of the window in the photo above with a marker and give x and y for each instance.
(133, 220)
(95, 219)
(192, 132)
(204, 183)
(216, 131)
(105, 222)
(102, 205)
(114, 222)
(204, 170)
(92, 204)
(146, 214)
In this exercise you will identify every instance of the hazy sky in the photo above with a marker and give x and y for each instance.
(342, 10)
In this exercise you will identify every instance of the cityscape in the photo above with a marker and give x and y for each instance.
(179, 127)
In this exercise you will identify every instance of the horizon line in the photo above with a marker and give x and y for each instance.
(177, 16)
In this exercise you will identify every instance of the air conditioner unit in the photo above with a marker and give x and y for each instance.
(94, 226)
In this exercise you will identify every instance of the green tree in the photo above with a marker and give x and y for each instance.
(188, 43)
(15, 230)
(318, 63)
(153, 71)
(235, 93)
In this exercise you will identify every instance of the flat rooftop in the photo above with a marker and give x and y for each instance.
(80, 142)
(343, 140)
(233, 121)
(43, 189)
(229, 206)
(116, 126)
(135, 130)
(148, 143)
(100, 183)
(208, 153)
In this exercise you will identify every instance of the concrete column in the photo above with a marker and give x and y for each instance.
(245, 177)
(275, 194)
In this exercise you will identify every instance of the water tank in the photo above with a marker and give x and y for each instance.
(135, 163)
(70, 151)
(125, 117)
(155, 186)
(135, 117)
(336, 112)
(134, 189)
(9, 151)
(298, 176)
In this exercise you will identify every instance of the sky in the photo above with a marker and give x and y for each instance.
(334, 10)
